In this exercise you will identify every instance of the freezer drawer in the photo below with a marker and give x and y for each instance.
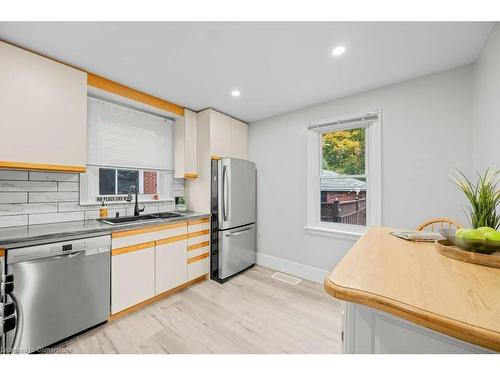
(237, 250)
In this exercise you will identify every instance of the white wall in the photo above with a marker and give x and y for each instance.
(426, 132)
(487, 104)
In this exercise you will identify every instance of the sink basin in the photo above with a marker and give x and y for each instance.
(128, 219)
(131, 219)
(165, 215)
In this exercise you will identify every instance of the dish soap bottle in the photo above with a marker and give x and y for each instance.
(103, 211)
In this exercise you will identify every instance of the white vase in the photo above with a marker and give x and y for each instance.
(181, 207)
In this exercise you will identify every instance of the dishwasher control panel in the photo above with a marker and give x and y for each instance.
(91, 245)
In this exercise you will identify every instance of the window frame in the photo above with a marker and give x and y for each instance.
(140, 180)
(373, 173)
(89, 181)
(89, 186)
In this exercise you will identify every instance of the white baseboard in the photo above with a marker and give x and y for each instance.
(296, 269)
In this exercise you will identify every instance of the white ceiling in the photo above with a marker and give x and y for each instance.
(278, 67)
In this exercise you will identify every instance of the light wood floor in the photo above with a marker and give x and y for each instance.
(251, 313)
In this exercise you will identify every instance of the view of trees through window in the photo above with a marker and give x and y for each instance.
(344, 151)
(343, 179)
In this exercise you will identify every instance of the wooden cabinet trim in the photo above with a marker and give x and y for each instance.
(215, 157)
(154, 228)
(197, 258)
(42, 167)
(199, 233)
(130, 93)
(198, 221)
(129, 249)
(165, 241)
(2, 253)
(157, 298)
(198, 245)
(190, 175)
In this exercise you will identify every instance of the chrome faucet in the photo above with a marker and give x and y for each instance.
(129, 199)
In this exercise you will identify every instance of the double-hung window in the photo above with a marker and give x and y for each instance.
(344, 174)
(126, 147)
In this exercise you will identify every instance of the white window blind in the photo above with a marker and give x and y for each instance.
(123, 137)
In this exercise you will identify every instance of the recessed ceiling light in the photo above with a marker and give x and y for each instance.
(339, 50)
(235, 93)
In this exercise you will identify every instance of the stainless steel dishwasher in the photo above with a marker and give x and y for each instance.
(62, 288)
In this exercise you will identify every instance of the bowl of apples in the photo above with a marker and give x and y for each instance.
(484, 240)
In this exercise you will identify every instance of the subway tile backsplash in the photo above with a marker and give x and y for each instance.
(60, 196)
(49, 197)
(10, 185)
(13, 175)
(13, 198)
(53, 176)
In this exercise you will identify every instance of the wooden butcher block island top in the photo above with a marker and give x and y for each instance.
(414, 281)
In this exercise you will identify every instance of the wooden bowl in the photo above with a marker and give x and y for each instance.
(447, 248)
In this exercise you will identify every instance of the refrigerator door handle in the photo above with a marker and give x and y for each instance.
(225, 201)
(233, 234)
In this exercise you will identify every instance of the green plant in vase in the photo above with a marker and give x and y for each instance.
(180, 204)
(483, 197)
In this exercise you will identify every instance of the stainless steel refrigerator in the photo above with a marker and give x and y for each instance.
(233, 202)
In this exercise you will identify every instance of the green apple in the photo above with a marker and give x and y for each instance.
(473, 234)
(493, 236)
(486, 229)
(460, 232)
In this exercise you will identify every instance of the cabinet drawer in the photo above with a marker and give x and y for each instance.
(132, 278)
(199, 236)
(198, 225)
(198, 249)
(147, 234)
(198, 266)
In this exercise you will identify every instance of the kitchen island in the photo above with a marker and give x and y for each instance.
(406, 297)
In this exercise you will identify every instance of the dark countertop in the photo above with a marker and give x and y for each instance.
(29, 235)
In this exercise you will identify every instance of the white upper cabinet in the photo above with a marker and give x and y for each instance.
(190, 143)
(186, 145)
(239, 132)
(43, 106)
(220, 134)
(228, 136)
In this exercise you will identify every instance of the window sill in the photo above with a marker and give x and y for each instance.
(330, 232)
(124, 203)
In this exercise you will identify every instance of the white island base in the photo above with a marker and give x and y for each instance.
(370, 331)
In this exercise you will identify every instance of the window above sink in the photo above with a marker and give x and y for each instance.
(126, 147)
(111, 184)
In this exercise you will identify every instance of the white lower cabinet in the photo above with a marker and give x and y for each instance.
(171, 265)
(132, 278)
(369, 331)
(151, 260)
(198, 268)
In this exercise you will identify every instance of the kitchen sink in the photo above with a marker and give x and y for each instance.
(131, 219)
(165, 215)
(128, 219)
